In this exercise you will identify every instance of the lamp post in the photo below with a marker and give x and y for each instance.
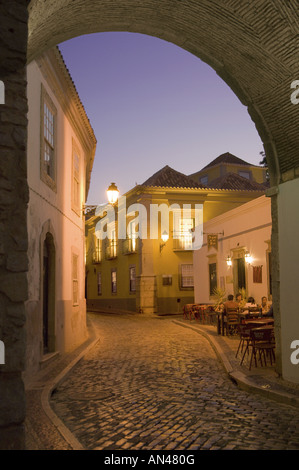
(112, 196)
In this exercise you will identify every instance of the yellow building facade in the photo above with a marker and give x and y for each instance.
(226, 164)
(140, 272)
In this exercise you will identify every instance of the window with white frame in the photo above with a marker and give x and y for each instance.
(183, 232)
(48, 140)
(187, 278)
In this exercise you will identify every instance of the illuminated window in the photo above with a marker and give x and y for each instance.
(132, 277)
(183, 233)
(132, 236)
(113, 281)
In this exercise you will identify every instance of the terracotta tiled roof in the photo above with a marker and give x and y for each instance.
(227, 158)
(236, 182)
(169, 178)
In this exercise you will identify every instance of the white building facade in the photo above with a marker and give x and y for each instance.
(61, 147)
(236, 253)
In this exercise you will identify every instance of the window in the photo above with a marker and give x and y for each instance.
(97, 254)
(132, 236)
(204, 180)
(75, 278)
(212, 277)
(113, 281)
(113, 243)
(76, 197)
(187, 279)
(99, 283)
(166, 280)
(245, 174)
(132, 277)
(182, 239)
(48, 140)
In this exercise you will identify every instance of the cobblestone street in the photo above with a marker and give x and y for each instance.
(151, 384)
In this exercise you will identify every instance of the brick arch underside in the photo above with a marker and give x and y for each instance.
(251, 45)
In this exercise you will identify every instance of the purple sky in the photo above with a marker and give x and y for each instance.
(153, 104)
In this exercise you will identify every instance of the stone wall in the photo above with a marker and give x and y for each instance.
(13, 225)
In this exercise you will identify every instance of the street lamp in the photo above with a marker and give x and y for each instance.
(248, 257)
(228, 261)
(112, 194)
(164, 237)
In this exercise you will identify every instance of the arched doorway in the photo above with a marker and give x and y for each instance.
(257, 62)
(253, 46)
(48, 294)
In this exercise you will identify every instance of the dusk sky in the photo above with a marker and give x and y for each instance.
(152, 104)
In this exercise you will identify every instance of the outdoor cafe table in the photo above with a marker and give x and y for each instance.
(256, 321)
(260, 321)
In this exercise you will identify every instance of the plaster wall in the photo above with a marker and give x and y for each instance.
(51, 211)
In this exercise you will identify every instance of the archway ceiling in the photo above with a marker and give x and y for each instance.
(252, 45)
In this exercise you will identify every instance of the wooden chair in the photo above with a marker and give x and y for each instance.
(188, 311)
(231, 321)
(263, 344)
(245, 340)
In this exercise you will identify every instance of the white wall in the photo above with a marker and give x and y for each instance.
(67, 228)
(248, 227)
(288, 229)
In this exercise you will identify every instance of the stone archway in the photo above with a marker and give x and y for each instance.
(251, 45)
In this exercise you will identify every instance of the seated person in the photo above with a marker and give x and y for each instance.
(250, 303)
(264, 305)
(230, 303)
(270, 312)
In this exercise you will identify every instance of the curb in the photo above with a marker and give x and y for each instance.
(50, 386)
(242, 380)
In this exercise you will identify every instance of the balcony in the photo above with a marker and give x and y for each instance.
(96, 256)
(182, 241)
(129, 246)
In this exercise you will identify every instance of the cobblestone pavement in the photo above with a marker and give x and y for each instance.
(150, 384)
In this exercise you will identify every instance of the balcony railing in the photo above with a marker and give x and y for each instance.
(182, 241)
(130, 246)
(96, 256)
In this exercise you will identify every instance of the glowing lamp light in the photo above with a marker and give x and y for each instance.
(228, 261)
(112, 193)
(164, 236)
(248, 257)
